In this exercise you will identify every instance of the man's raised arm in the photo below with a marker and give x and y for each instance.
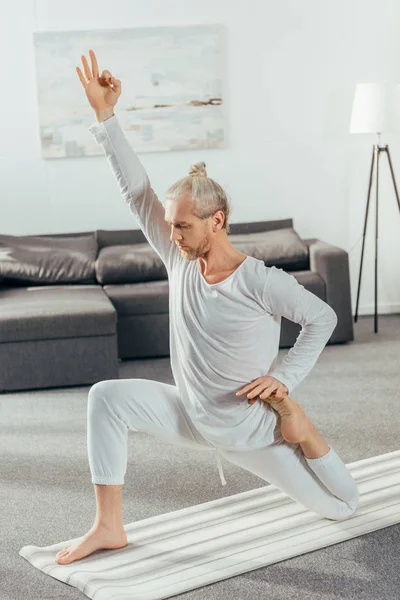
(103, 92)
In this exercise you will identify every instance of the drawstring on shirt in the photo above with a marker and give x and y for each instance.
(219, 464)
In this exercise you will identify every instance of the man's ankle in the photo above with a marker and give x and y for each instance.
(314, 446)
(109, 524)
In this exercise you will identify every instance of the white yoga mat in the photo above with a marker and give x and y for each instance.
(182, 550)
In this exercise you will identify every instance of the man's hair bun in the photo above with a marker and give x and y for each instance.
(198, 169)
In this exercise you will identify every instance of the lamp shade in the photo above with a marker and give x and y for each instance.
(376, 108)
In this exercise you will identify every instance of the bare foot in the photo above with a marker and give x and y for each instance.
(97, 538)
(295, 425)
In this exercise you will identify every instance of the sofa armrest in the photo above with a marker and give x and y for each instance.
(332, 265)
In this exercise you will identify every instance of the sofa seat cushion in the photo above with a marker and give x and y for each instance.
(50, 312)
(130, 299)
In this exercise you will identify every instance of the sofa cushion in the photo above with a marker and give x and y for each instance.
(134, 263)
(40, 260)
(129, 264)
(51, 312)
(282, 248)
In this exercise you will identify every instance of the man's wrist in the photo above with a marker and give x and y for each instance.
(103, 115)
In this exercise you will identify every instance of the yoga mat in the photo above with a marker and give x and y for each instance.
(182, 550)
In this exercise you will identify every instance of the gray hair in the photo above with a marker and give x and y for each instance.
(207, 196)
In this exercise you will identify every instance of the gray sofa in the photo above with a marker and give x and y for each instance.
(73, 305)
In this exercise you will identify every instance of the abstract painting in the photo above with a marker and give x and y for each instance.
(172, 88)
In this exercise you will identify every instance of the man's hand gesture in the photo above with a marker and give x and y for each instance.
(102, 91)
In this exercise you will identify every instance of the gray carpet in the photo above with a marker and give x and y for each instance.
(352, 395)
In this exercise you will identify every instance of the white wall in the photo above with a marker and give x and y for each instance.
(291, 71)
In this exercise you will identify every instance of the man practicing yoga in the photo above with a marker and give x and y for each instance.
(225, 312)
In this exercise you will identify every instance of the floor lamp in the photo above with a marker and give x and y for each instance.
(376, 109)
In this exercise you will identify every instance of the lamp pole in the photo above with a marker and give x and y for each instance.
(377, 149)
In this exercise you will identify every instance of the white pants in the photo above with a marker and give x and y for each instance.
(323, 485)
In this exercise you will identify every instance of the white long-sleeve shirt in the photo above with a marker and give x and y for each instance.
(222, 335)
